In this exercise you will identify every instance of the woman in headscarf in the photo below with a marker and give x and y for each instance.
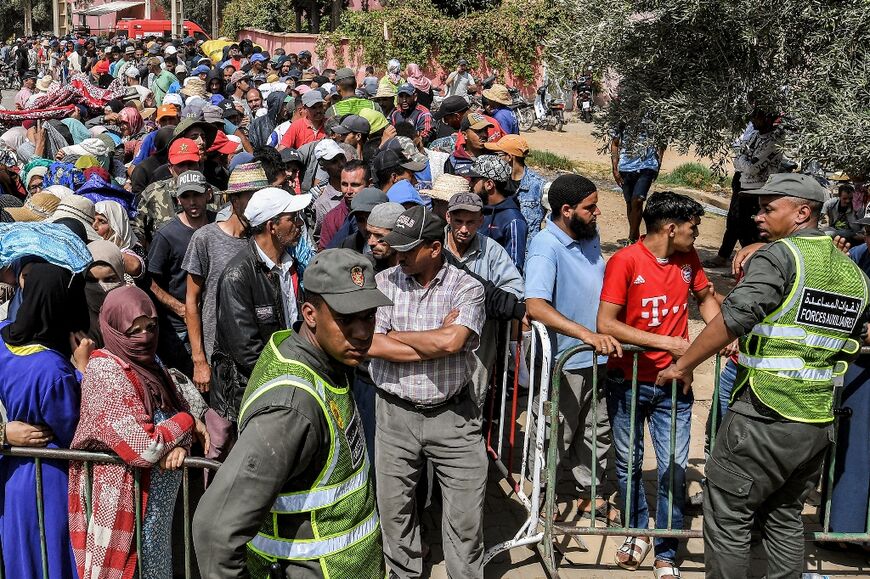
(78, 131)
(112, 224)
(425, 94)
(124, 384)
(129, 122)
(105, 274)
(394, 75)
(39, 385)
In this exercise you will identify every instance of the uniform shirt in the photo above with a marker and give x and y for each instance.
(155, 208)
(654, 294)
(282, 448)
(568, 273)
(416, 308)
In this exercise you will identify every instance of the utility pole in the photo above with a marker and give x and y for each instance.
(215, 25)
(147, 9)
(177, 18)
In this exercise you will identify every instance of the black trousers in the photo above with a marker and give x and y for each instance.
(740, 224)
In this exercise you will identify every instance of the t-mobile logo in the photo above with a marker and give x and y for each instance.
(658, 310)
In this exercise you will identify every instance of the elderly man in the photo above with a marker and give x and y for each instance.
(423, 351)
(257, 294)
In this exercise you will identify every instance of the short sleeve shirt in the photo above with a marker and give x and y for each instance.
(569, 275)
(655, 298)
(207, 256)
(416, 308)
(300, 133)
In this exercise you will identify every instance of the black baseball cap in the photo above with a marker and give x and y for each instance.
(291, 156)
(388, 159)
(352, 124)
(413, 227)
(345, 280)
(449, 106)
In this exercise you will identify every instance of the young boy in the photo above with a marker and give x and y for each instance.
(644, 301)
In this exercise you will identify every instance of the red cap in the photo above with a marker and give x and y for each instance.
(182, 150)
(222, 144)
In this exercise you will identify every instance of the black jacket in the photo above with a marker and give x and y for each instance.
(249, 311)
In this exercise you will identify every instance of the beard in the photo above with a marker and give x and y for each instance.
(581, 229)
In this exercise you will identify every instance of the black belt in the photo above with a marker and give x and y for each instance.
(460, 396)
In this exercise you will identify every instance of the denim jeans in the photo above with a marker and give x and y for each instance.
(654, 407)
(727, 377)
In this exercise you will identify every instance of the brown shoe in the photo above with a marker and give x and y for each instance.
(604, 511)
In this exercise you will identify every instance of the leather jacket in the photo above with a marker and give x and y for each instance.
(249, 310)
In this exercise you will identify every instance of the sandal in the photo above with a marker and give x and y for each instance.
(669, 570)
(604, 511)
(636, 548)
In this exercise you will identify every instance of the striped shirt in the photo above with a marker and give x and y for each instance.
(419, 116)
(418, 308)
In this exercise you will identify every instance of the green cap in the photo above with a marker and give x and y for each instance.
(792, 185)
(345, 280)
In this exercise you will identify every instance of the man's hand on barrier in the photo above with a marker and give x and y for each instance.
(174, 459)
(673, 373)
(23, 434)
(603, 344)
(201, 434)
(678, 347)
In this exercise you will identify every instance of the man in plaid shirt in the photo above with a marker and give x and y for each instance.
(422, 362)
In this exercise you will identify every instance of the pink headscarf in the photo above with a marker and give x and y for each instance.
(133, 119)
(416, 78)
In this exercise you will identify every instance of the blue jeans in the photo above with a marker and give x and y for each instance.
(727, 377)
(653, 406)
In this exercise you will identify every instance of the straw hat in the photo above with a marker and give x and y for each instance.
(446, 186)
(385, 90)
(38, 208)
(498, 93)
(43, 84)
(247, 177)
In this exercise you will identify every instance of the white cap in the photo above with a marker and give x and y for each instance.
(170, 50)
(270, 202)
(132, 72)
(327, 149)
(173, 98)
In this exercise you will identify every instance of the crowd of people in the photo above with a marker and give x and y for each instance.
(305, 275)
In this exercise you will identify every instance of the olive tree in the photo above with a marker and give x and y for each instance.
(691, 71)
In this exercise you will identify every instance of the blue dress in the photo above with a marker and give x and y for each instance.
(37, 386)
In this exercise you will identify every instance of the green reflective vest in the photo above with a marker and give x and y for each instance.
(790, 359)
(341, 501)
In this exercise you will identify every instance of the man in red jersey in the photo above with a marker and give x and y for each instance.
(645, 301)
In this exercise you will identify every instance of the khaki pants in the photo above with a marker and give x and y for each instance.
(450, 439)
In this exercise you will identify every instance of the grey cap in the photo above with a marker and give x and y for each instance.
(384, 216)
(792, 185)
(367, 199)
(413, 227)
(345, 280)
(344, 74)
(191, 181)
(311, 98)
(465, 202)
(352, 124)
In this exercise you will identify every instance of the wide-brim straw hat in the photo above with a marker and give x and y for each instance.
(446, 186)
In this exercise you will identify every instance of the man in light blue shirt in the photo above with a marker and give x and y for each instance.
(564, 275)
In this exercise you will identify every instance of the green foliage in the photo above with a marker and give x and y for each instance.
(508, 35)
(690, 72)
(264, 14)
(693, 176)
(456, 8)
(12, 18)
(548, 160)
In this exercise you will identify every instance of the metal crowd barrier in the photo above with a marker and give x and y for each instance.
(553, 528)
(503, 428)
(89, 459)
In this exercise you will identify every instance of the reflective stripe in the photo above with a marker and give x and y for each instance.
(813, 374)
(829, 343)
(759, 363)
(314, 548)
(770, 331)
(323, 497)
(282, 380)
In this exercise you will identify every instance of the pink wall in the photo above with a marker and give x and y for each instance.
(294, 42)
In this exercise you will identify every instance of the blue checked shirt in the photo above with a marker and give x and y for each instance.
(416, 308)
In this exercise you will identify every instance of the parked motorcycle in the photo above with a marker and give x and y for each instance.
(583, 90)
(523, 110)
(549, 112)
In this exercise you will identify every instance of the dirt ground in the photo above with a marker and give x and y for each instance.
(503, 512)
